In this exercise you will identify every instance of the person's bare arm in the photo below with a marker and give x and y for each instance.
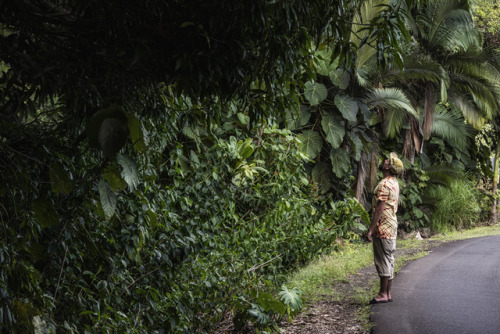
(377, 214)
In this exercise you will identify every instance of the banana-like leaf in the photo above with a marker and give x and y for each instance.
(315, 92)
(108, 199)
(347, 106)
(341, 163)
(334, 130)
(311, 143)
(129, 171)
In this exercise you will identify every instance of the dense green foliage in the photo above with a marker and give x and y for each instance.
(166, 165)
(459, 206)
(175, 238)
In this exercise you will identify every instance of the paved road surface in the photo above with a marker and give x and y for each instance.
(454, 290)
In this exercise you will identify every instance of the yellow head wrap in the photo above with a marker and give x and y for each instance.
(396, 164)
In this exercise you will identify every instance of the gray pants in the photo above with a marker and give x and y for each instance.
(383, 250)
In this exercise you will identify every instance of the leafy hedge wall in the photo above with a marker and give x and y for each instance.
(173, 234)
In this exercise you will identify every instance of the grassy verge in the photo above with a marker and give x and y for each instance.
(348, 275)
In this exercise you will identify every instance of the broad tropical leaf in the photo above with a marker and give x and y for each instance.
(315, 92)
(334, 130)
(322, 174)
(357, 145)
(324, 65)
(311, 143)
(129, 171)
(112, 174)
(341, 163)
(244, 119)
(340, 78)
(297, 118)
(347, 106)
(137, 135)
(258, 314)
(291, 298)
(108, 199)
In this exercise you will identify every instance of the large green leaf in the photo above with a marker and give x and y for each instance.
(340, 78)
(60, 180)
(45, 214)
(129, 171)
(324, 65)
(245, 148)
(270, 304)
(341, 163)
(137, 135)
(297, 118)
(112, 174)
(356, 144)
(311, 143)
(322, 174)
(108, 199)
(291, 298)
(334, 130)
(315, 92)
(347, 106)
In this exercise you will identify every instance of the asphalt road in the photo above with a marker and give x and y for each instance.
(453, 290)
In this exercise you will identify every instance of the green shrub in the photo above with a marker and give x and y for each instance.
(458, 207)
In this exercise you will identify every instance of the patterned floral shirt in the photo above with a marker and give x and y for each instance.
(387, 190)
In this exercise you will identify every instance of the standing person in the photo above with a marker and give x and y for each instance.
(384, 225)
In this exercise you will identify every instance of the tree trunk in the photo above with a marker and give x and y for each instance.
(361, 178)
(493, 216)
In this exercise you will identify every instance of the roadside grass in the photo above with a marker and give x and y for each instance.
(326, 278)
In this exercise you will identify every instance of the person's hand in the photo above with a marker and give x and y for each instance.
(369, 236)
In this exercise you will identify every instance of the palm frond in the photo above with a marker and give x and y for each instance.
(368, 11)
(457, 32)
(441, 175)
(416, 67)
(471, 113)
(440, 17)
(451, 126)
(389, 98)
(479, 82)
